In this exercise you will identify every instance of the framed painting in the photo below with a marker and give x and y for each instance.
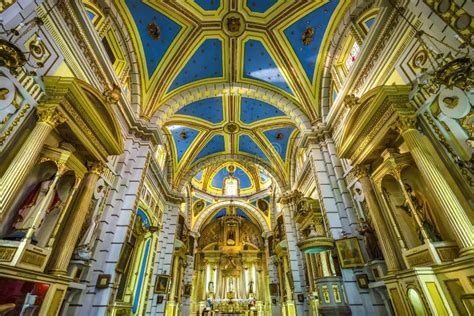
(125, 256)
(274, 289)
(162, 283)
(349, 253)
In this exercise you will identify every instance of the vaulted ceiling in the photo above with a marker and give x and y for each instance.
(195, 56)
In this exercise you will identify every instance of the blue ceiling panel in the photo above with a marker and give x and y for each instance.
(215, 145)
(154, 50)
(222, 212)
(244, 178)
(279, 139)
(259, 65)
(260, 6)
(218, 180)
(247, 145)
(241, 213)
(198, 176)
(206, 109)
(183, 137)
(263, 176)
(252, 111)
(90, 15)
(369, 23)
(204, 64)
(317, 20)
(209, 5)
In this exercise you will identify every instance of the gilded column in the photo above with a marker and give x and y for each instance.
(73, 225)
(175, 276)
(17, 171)
(290, 304)
(452, 210)
(388, 248)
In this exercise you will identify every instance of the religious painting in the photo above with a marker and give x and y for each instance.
(198, 207)
(124, 257)
(349, 252)
(187, 289)
(263, 206)
(300, 297)
(274, 289)
(102, 281)
(362, 281)
(162, 283)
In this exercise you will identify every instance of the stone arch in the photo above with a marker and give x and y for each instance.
(171, 106)
(242, 159)
(204, 215)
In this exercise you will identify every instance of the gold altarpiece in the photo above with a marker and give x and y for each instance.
(231, 267)
(412, 199)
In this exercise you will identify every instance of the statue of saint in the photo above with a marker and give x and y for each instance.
(26, 214)
(210, 287)
(25, 218)
(371, 242)
(424, 213)
(251, 287)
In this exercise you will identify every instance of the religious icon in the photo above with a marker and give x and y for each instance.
(102, 281)
(198, 206)
(370, 239)
(26, 214)
(274, 289)
(422, 208)
(162, 283)
(125, 256)
(362, 280)
(233, 24)
(154, 31)
(349, 253)
(308, 35)
(251, 287)
(187, 289)
(210, 287)
(262, 206)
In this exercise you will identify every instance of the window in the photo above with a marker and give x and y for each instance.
(352, 56)
(231, 186)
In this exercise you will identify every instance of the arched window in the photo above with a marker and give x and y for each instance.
(347, 56)
(231, 186)
(113, 51)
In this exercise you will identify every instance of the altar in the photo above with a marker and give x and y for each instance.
(231, 263)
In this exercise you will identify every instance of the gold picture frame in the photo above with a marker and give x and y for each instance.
(125, 257)
(162, 283)
(349, 253)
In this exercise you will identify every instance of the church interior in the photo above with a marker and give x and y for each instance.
(236, 157)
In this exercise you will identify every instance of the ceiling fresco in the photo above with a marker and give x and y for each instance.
(275, 46)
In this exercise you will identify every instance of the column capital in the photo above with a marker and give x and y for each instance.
(50, 115)
(96, 167)
(289, 197)
(405, 122)
(360, 171)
